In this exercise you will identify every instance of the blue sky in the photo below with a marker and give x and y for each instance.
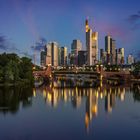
(23, 22)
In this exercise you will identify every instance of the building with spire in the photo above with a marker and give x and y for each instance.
(91, 45)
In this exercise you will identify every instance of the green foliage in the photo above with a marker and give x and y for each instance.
(14, 69)
(136, 71)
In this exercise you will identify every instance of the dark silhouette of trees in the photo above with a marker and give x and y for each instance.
(14, 69)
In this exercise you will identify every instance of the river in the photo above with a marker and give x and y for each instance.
(49, 113)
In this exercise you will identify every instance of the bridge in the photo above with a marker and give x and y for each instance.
(43, 73)
(82, 76)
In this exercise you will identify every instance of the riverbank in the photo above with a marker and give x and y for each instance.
(17, 83)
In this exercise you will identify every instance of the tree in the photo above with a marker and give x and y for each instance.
(26, 69)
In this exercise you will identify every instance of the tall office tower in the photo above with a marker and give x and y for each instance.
(59, 56)
(110, 48)
(121, 51)
(91, 45)
(95, 45)
(103, 56)
(113, 52)
(108, 43)
(48, 54)
(69, 59)
(130, 59)
(43, 58)
(82, 58)
(64, 56)
(118, 57)
(75, 47)
(101, 53)
(52, 54)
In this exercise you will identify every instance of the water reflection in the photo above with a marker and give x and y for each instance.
(91, 96)
(12, 98)
(136, 92)
(91, 100)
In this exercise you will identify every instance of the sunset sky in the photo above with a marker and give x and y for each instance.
(23, 22)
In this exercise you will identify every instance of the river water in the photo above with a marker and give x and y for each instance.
(48, 113)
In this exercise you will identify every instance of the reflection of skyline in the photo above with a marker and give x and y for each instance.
(91, 107)
(88, 100)
(77, 95)
(11, 99)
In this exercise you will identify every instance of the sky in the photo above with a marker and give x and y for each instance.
(24, 22)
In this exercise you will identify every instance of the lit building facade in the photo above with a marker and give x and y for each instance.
(76, 46)
(110, 48)
(113, 52)
(91, 45)
(108, 40)
(111, 55)
(121, 51)
(64, 55)
(130, 59)
(103, 56)
(52, 53)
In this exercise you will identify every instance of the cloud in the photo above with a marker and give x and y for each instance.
(7, 46)
(39, 45)
(134, 20)
(3, 43)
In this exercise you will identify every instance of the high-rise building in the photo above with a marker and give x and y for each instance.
(121, 51)
(95, 45)
(64, 56)
(43, 58)
(110, 48)
(75, 47)
(118, 57)
(111, 55)
(59, 56)
(82, 57)
(130, 59)
(103, 56)
(91, 45)
(48, 54)
(52, 54)
(113, 52)
(108, 41)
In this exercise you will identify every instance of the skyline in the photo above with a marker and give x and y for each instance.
(25, 21)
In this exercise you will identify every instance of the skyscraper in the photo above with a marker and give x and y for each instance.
(121, 52)
(113, 52)
(52, 54)
(108, 44)
(110, 48)
(43, 58)
(130, 59)
(64, 56)
(48, 54)
(82, 57)
(91, 45)
(75, 47)
(103, 56)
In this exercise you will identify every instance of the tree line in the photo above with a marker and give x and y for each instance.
(14, 69)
